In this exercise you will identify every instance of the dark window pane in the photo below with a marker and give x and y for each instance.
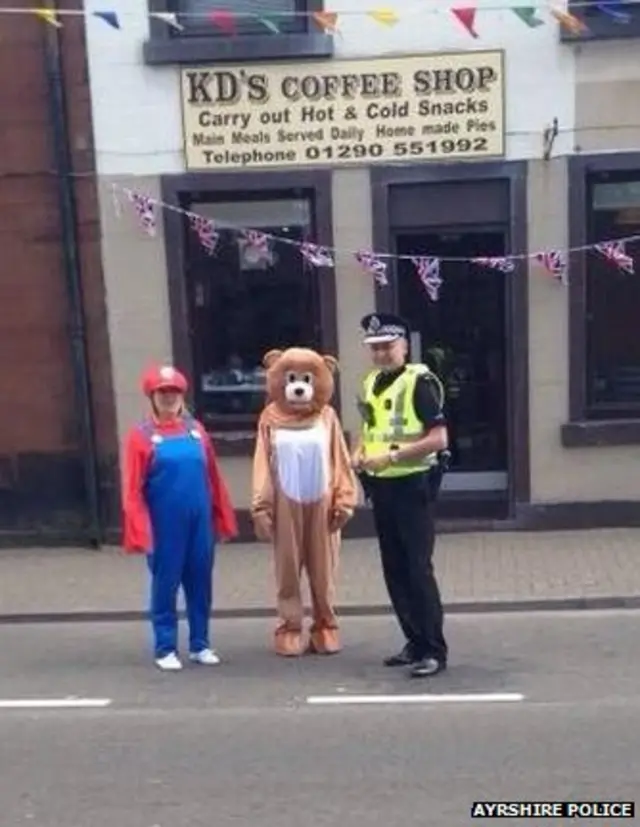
(240, 309)
(613, 301)
(195, 16)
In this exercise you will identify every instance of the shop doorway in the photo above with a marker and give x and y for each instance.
(462, 337)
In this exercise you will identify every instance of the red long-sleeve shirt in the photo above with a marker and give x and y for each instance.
(138, 451)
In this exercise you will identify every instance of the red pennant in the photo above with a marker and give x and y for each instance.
(467, 16)
(224, 20)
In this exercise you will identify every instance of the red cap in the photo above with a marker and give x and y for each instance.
(168, 377)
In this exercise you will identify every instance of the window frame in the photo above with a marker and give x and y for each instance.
(601, 26)
(582, 429)
(166, 45)
(176, 190)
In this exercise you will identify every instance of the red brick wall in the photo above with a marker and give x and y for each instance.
(39, 439)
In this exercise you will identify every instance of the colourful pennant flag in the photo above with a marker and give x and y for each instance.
(168, 17)
(49, 16)
(467, 16)
(428, 270)
(386, 17)
(555, 262)
(145, 211)
(224, 20)
(614, 251)
(373, 265)
(615, 9)
(318, 256)
(326, 20)
(528, 15)
(504, 265)
(570, 22)
(206, 232)
(256, 247)
(270, 24)
(109, 17)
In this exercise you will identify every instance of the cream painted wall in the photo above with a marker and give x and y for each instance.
(608, 97)
(352, 230)
(559, 474)
(134, 267)
(136, 108)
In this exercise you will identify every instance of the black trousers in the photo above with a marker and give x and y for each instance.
(403, 510)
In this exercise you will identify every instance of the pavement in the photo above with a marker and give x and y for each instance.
(534, 707)
(477, 572)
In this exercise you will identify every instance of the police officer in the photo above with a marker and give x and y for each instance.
(397, 458)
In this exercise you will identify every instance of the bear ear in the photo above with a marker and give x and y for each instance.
(331, 362)
(270, 358)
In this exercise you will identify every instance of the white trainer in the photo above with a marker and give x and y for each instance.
(207, 657)
(169, 663)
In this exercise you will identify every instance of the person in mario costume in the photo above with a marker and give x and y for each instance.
(176, 506)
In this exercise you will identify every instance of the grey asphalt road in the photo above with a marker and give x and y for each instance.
(240, 745)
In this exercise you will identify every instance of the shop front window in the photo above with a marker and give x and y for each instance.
(613, 299)
(243, 304)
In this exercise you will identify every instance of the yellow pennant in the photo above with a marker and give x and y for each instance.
(327, 20)
(49, 16)
(385, 16)
(569, 21)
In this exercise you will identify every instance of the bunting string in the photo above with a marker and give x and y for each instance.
(256, 247)
(225, 21)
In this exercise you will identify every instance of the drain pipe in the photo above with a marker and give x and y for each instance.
(53, 64)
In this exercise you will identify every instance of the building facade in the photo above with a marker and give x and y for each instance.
(411, 140)
(58, 451)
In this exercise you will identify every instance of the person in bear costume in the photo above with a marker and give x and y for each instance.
(304, 492)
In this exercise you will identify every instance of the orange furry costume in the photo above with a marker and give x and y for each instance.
(304, 492)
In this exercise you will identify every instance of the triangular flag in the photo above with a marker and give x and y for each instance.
(571, 23)
(109, 17)
(386, 17)
(270, 24)
(224, 20)
(326, 20)
(528, 15)
(467, 16)
(169, 18)
(49, 16)
(615, 9)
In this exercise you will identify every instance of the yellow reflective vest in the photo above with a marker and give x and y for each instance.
(391, 420)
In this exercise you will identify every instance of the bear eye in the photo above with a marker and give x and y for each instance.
(291, 377)
(306, 377)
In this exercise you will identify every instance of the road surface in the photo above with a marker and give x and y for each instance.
(535, 707)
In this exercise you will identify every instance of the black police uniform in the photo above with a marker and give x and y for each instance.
(403, 510)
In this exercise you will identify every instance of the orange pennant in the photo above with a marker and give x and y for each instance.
(326, 20)
(571, 23)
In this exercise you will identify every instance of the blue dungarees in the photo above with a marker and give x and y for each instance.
(178, 496)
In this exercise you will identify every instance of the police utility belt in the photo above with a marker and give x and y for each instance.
(390, 420)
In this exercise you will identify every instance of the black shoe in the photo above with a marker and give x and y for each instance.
(427, 668)
(404, 658)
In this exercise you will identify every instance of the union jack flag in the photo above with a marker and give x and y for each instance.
(374, 265)
(206, 232)
(429, 274)
(318, 256)
(501, 263)
(615, 252)
(555, 262)
(145, 210)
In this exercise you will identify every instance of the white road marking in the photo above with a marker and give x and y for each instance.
(55, 703)
(496, 697)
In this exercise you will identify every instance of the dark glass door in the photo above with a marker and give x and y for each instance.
(462, 338)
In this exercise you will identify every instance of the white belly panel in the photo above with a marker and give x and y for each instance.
(302, 462)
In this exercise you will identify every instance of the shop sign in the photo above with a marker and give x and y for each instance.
(432, 107)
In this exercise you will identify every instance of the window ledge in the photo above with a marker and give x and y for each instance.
(594, 433)
(159, 51)
(603, 27)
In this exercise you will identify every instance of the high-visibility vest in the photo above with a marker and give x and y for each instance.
(393, 422)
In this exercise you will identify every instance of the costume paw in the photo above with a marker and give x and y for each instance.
(339, 519)
(263, 527)
(324, 642)
(288, 644)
